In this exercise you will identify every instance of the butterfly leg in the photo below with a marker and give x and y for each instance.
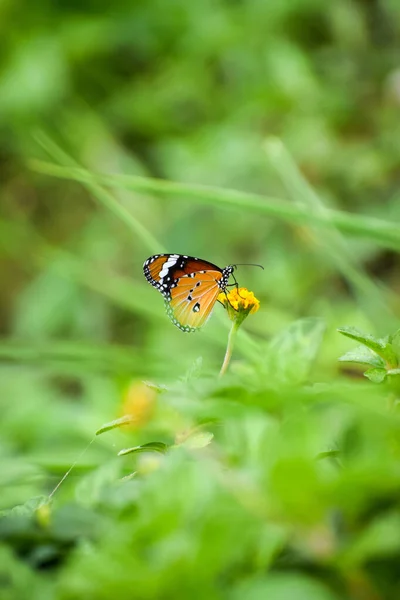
(227, 299)
(230, 285)
(235, 284)
(226, 295)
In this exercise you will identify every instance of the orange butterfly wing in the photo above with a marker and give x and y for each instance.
(192, 299)
(160, 266)
(189, 285)
(153, 267)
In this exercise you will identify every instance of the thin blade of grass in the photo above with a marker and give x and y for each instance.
(80, 357)
(383, 233)
(369, 294)
(103, 197)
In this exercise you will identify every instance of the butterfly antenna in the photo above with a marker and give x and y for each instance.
(248, 265)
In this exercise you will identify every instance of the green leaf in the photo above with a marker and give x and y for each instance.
(376, 375)
(364, 356)
(381, 538)
(26, 509)
(199, 440)
(382, 347)
(150, 447)
(125, 420)
(293, 350)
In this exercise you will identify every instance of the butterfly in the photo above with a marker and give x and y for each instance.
(190, 286)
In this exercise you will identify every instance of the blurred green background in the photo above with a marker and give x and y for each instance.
(295, 100)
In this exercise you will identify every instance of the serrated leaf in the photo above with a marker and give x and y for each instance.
(376, 375)
(381, 346)
(364, 356)
(150, 447)
(125, 420)
(293, 351)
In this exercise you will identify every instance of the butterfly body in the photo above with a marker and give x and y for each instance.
(190, 287)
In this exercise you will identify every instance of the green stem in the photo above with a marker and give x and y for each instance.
(229, 348)
(384, 233)
(103, 196)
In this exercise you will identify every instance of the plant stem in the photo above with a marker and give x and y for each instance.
(382, 232)
(229, 348)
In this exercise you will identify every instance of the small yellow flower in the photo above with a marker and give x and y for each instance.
(139, 401)
(239, 303)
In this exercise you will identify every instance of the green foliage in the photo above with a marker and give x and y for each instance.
(241, 132)
(382, 355)
(125, 420)
(149, 447)
(293, 351)
(380, 347)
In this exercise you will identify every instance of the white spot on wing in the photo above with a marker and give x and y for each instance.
(172, 260)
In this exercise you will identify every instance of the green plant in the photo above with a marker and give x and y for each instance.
(382, 355)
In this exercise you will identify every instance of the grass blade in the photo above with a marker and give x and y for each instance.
(330, 238)
(383, 233)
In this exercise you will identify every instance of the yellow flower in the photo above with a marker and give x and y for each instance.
(239, 303)
(139, 401)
